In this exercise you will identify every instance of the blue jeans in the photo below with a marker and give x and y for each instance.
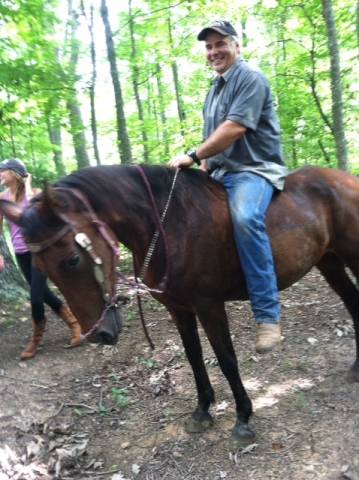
(249, 196)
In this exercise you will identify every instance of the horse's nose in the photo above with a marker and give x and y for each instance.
(110, 328)
(106, 337)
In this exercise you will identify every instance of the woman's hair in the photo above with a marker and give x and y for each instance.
(20, 188)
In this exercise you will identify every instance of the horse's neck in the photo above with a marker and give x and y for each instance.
(136, 238)
(136, 226)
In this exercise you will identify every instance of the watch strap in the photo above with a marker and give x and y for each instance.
(193, 155)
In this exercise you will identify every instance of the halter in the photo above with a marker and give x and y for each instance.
(111, 301)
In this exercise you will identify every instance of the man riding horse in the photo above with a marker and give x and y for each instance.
(242, 150)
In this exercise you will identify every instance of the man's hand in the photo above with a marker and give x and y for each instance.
(2, 263)
(181, 161)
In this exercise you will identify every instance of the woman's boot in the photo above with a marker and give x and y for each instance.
(31, 349)
(66, 315)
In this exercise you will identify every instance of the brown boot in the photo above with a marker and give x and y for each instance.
(268, 337)
(31, 349)
(66, 315)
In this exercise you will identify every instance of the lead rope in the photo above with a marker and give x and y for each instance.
(139, 303)
(146, 262)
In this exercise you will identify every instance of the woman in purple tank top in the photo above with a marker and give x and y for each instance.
(14, 176)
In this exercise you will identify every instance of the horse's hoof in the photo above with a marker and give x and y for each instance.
(241, 437)
(236, 442)
(197, 426)
(352, 376)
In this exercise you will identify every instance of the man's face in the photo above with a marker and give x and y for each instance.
(221, 52)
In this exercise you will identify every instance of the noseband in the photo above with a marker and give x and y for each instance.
(111, 301)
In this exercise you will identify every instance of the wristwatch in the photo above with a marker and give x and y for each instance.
(192, 153)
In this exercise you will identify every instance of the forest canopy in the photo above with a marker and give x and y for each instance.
(86, 82)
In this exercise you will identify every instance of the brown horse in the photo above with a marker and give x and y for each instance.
(314, 221)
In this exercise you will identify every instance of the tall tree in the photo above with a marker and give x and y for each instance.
(124, 146)
(135, 82)
(177, 86)
(92, 87)
(162, 109)
(336, 85)
(73, 105)
(29, 79)
(12, 284)
(56, 142)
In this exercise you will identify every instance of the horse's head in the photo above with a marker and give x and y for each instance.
(78, 253)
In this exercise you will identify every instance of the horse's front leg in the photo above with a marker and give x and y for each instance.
(187, 327)
(213, 318)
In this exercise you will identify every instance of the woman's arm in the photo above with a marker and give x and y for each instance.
(29, 191)
(1, 215)
(2, 263)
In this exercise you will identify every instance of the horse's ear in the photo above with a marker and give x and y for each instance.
(53, 200)
(11, 211)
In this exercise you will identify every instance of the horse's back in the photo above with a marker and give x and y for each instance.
(317, 212)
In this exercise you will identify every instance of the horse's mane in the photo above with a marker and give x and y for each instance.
(102, 184)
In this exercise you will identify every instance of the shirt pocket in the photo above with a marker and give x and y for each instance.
(223, 109)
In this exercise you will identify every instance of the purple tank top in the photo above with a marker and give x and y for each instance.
(17, 239)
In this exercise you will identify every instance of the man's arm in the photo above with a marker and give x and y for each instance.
(223, 137)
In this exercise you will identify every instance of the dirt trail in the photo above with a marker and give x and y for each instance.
(119, 413)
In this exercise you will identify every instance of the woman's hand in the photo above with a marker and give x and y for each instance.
(29, 192)
(2, 263)
(28, 181)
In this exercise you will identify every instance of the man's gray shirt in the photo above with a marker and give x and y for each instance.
(243, 95)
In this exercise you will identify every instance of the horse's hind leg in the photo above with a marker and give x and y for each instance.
(333, 269)
(187, 327)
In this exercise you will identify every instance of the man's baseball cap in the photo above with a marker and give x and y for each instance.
(14, 164)
(221, 26)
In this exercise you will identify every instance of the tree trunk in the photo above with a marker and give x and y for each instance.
(124, 146)
(336, 84)
(93, 83)
(180, 105)
(162, 105)
(135, 76)
(12, 284)
(244, 33)
(78, 135)
(77, 124)
(55, 139)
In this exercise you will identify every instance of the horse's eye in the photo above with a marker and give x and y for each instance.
(73, 261)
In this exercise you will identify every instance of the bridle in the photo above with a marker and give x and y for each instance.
(112, 300)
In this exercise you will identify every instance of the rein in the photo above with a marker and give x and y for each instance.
(151, 248)
(139, 278)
